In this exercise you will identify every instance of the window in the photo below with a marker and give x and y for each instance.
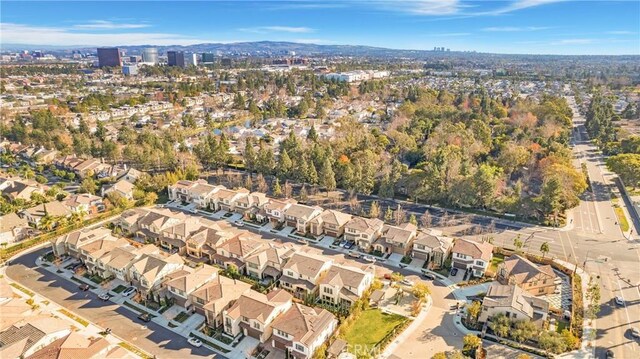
(328, 290)
(281, 333)
(479, 263)
(256, 325)
(299, 347)
(245, 319)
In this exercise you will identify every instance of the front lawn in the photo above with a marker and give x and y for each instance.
(495, 262)
(371, 327)
(181, 317)
(119, 289)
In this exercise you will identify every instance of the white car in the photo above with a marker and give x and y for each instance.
(193, 211)
(104, 296)
(369, 259)
(635, 332)
(407, 282)
(239, 223)
(619, 301)
(127, 292)
(195, 342)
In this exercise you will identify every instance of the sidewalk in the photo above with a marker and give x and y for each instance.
(410, 329)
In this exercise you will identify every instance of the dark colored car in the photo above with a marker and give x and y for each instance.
(610, 354)
(454, 271)
(145, 317)
(429, 276)
(84, 287)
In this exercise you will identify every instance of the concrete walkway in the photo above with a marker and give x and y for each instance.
(400, 339)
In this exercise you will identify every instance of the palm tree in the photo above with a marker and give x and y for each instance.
(544, 248)
(47, 223)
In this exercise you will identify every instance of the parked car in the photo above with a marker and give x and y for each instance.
(566, 314)
(610, 353)
(239, 223)
(349, 245)
(195, 342)
(193, 211)
(145, 317)
(84, 287)
(104, 296)
(129, 291)
(370, 259)
(619, 301)
(635, 332)
(354, 254)
(407, 282)
(428, 276)
(454, 271)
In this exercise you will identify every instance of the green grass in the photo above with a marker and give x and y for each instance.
(181, 317)
(371, 327)
(23, 289)
(135, 350)
(622, 219)
(94, 278)
(560, 326)
(81, 321)
(495, 262)
(119, 289)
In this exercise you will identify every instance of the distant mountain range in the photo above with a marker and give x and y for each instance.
(264, 48)
(280, 48)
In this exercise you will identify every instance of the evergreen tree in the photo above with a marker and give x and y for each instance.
(276, 190)
(327, 178)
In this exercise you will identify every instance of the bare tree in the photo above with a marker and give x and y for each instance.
(354, 204)
(288, 189)
(248, 182)
(425, 219)
(261, 184)
(400, 215)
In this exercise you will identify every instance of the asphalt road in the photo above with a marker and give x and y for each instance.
(150, 337)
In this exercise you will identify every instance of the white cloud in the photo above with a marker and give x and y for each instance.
(107, 25)
(450, 34)
(269, 29)
(519, 5)
(620, 32)
(573, 42)
(11, 33)
(514, 28)
(420, 7)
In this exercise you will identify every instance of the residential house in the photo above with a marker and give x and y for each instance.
(515, 303)
(302, 329)
(330, 223)
(53, 209)
(122, 188)
(13, 228)
(302, 272)
(203, 243)
(225, 199)
(118, 261)
(91, 252)
(472, 256)
(127, 222)
(363, 231)
(251, 204)
(253, 313)
(179, 285)
(266, 264)
(344, 285)
(433, 249)
(17, 189)
(535, 279)
(70, 243)
(300, 215)
(149, 270)
(173, 238)
(214, 297)
(76, 345)
(197, 192)
(84, 203)
(236, 250)
(129, 175)
(396, 239)
(26, 337)
(156, 220)
(276, 208)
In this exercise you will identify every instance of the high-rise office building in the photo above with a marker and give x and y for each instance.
(150, 55)
(109, 56)
(175, 58)
(190, 59)
(208, 58)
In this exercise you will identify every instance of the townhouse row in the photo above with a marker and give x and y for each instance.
(368, 234)
(158, 271)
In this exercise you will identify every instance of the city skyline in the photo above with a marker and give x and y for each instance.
(518, 27)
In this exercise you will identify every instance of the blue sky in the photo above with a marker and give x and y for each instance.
(509, 26)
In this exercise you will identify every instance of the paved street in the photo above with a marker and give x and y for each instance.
(150, 337)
